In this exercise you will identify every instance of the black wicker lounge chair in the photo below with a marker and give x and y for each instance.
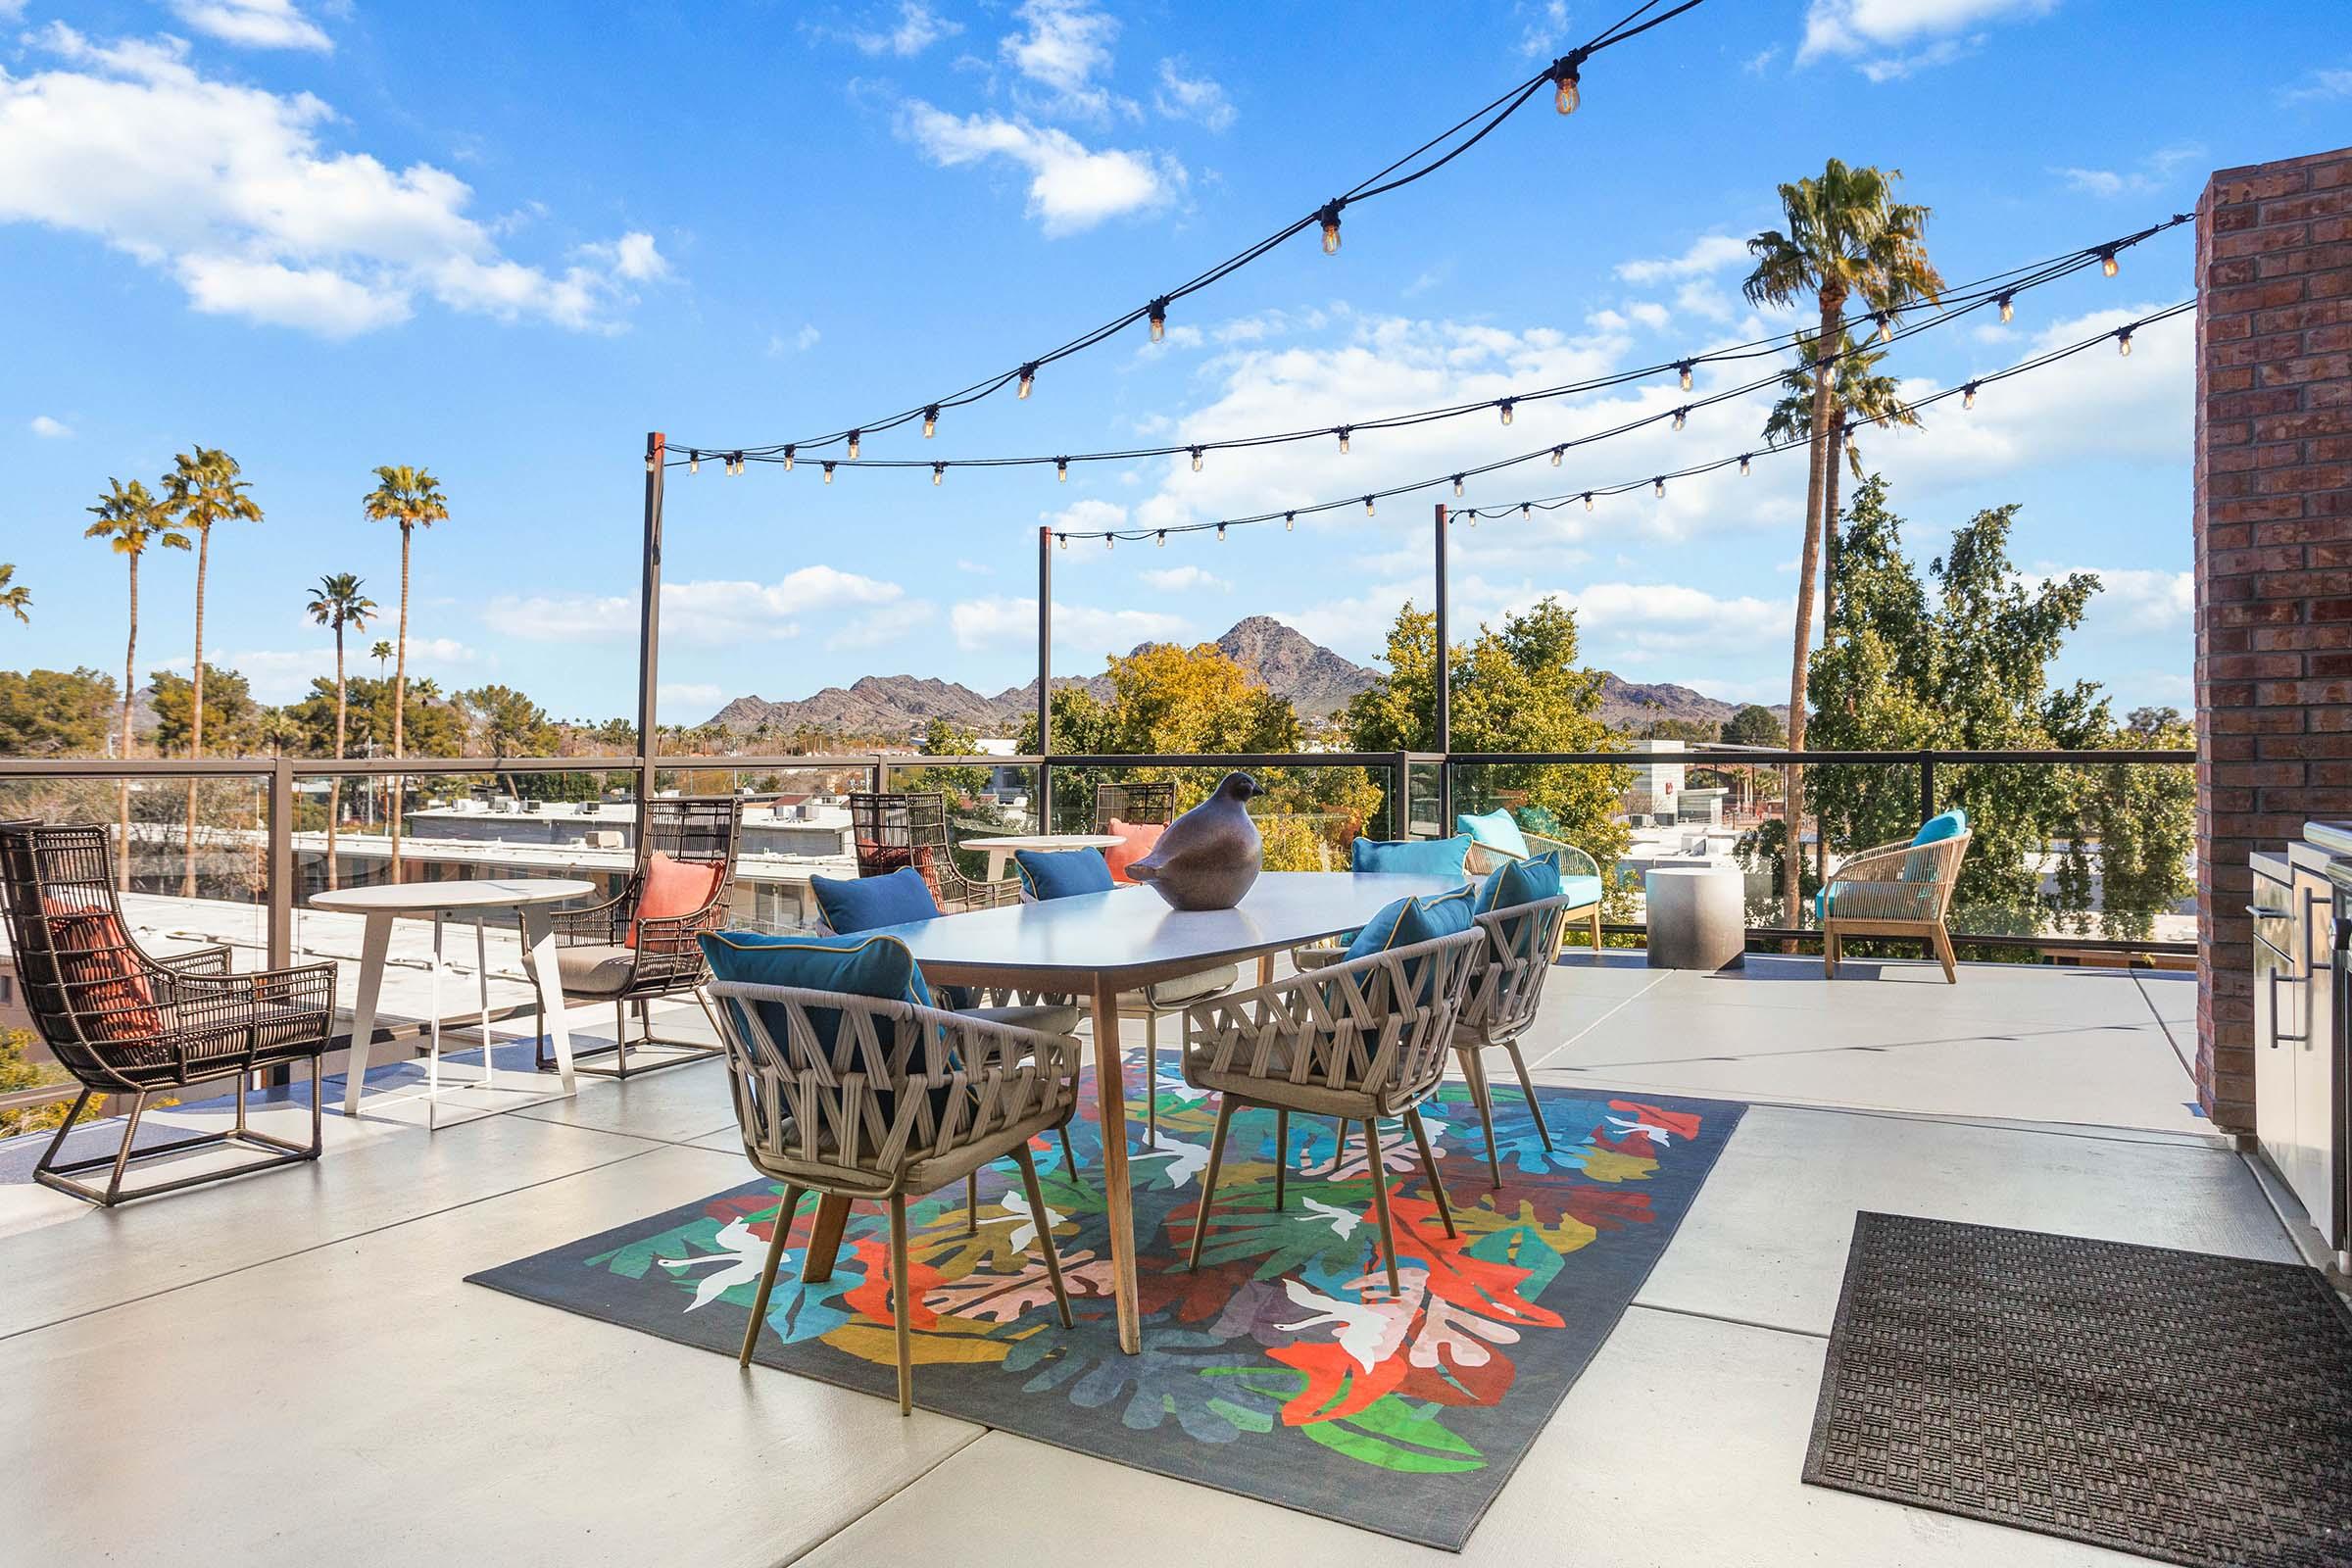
(897, 829)
(1133, 803)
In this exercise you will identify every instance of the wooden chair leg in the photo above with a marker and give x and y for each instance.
(1429, 1168)
(785, 1213)
(1526, 1086)
(1380, 1205)
(1044, 1230)
(1829, 952)
(902, 1303)
(1475, 1070)
(1944, 955)
(1070, 1161)
(1596, 933)
(1281, 1153)
(1209, 1179)
(1338, 1127)
(971, 1198)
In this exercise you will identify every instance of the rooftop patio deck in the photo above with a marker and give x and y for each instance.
(297, 1361)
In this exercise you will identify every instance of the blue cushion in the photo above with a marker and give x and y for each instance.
(1495, 830)
(1581, 890)
(1423, 856)
(870, 903)
(855, 967)
(1063, 874)
(1944, 825)
(1408, 922)
(1517, 882)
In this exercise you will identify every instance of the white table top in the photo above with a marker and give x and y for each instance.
(464, 893)
(1046, 841)
(1130, 929)
(1693, 870)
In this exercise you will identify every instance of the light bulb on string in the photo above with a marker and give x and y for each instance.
(1159, 318)
(1220, 533)
(853, 436)
(1587, 501)
(1743, 464)
(1564, 72)
(1329, 213)
(930, 421)
(1028, 381)
(737, 461)
(939, 472)
(788, 460)
(694, 461)
(1457, 487)
(1343, 432)
(2107, 262)
(1063, 539)
(1164, 538)
(652, 464)
(1289, 520)
(1968, 396)
(2008, 304)
(1196, 452)
(1685, 368)
(1886, 322)
(1660, 483)
(1061, 469)
(1526, 513)
(2123, 342)
(1556, 456)
(1506, 405)
(1367, 505)
(1681, 415)
(1110, 541)
(828, 472)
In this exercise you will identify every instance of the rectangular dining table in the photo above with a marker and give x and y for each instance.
(1097, 946)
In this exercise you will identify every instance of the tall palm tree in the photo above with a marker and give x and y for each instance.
(1863, 397)
(338, 603)
(1848, 240)
(131, 522)
(381, 652)
(202, 489)
(14, 597)
(410, 498)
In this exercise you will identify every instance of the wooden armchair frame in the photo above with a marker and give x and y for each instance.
(1894, 890)
(1574, 861)
(1504, 992)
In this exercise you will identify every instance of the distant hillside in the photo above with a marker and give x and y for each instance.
(1628, 704)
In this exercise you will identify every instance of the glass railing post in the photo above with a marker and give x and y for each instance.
(281, 831)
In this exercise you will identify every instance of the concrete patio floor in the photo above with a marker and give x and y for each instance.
(290, 1369)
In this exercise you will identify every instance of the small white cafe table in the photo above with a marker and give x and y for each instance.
(999, 851)
(529, 897)
(1101, 945)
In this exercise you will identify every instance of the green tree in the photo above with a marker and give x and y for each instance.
(381, 652)
(1861, 396)
(14, 597)
(131, 522)
(1695, 731)
(1847, 239)
(411, 499)
(1754, 724)
(510, 724)
(338, 603)
(202, 489)
(228, 701)
(19, 1072)
(1520, 687)
(943, 737)
(53, 712)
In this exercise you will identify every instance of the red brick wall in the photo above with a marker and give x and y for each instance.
(2273, 568)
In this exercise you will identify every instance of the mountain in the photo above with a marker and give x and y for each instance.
(1628, 705)
(1315, 679)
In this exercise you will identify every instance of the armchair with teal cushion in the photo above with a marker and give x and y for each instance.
(1579, 873)
(1902, 889)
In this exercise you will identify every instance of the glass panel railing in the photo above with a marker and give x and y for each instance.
(1308, 813)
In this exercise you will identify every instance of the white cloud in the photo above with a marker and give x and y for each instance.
(1546, 27)
(1066, 46)
(1761, 61)
(229, 189)
(700, 694)
(49, 429)
(2132, 601)
(1871, 32)
(1179, 579)
(1082, 632)
(886, 624)
(1195, 98)
(801, 342)
(716, 612)
(2154, 175)
(284, 675)
(1707, 255)
(1072, 188)
(2319, 87)
(254, 23)
(916, 29)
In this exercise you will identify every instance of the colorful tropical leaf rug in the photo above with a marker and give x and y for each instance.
(1283, 1370)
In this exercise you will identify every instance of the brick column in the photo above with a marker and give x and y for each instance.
(2274, 562)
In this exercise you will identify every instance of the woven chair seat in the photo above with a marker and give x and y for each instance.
(595, 968)
(1045, 1017)
(1186, 989)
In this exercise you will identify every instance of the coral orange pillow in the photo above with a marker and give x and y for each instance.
(101, 972)
(673, 887)
(1135, 840)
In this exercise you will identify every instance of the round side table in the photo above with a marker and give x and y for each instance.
(1698, 916)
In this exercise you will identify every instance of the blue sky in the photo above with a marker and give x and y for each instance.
(330, 235)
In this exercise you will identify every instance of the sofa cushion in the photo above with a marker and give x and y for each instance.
(674, 888)
(1943, 825)
(1408, 922)
(595, 969)
(1046, 1018)
(1425, 857)
(1061, 873)
(854, 965)
(1495, 830)
(1135, 840)
(851, 905)
(1186, 989)
(1517, 882)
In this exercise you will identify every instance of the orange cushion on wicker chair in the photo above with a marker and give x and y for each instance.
(1136, 840)
(673, 887)
(103, 978)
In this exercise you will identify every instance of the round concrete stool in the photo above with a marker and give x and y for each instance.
(1698, 916)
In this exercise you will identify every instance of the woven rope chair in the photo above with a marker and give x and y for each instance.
(858, 1097)
(1506, 987)
(1361, 1040)
(910, 828)
(1134, 802)
(125, 1022)
(1895, 890)
(1485, 858)
(596, 960)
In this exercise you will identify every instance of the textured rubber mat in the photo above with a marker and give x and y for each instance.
(2190, 1408)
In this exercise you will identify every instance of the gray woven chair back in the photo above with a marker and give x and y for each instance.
(1381, 1026)
(1134, 802)
(65, 931)
(845, 1094)
(1899, 881)
(1506, 977)
(699, 829)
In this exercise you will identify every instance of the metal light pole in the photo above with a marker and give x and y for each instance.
(1045, 679)
(649, 623)
(1445, 692)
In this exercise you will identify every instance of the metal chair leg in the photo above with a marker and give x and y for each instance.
(786, 1212)
(1429, 1168)
(971, 1198)
(902, 1303)
(1526, 1086)
(1475, 1070)
(1208, 1183)
(131, 1131)
(1044, 1230)
(1380, 1205)
(1281, 1153)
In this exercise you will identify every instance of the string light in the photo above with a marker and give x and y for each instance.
(1061, 469)
(1587, 501)
(828, 473)
(1367, 505)
(1028, 379)
(1556, 456)
(939, 472)
(1968, 396)
(652, 464)
(1329, 216)
(1195, 451)
(1457, 487)
(2107, 262)
(1885, 321)
(694, 461)
(1564, 74)
(1743, 464)
(1682, 416)
(1159, 318)
(853, 436)
(1220, 533)
(931, 421)
(1289, 520)
(1525, 515)
(1065, 540)
(1164, 538)
(1660, 483)
(1684, 366)
(2123, 342)
(788, 460)
(2008, 308)
(1343, 432)
(1506, 405)
(1110, 541)
(735, 463)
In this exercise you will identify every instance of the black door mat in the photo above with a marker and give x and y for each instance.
(2190, 1408)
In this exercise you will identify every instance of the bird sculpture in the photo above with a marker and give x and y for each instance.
(1210, 855)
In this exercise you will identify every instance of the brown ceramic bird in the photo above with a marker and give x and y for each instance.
(1210, 855)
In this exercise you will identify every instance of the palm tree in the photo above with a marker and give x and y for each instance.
(337, 602)
(413, 499)
(381, 652)
(1847, 240)
(131, 522)
(203, 489)
(1862, 396)
(14, 597)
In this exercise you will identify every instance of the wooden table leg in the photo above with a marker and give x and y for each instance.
(1265, 969)
(1110, 1101)
(824, 1242)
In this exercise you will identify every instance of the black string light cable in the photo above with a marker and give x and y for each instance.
(1966, 391)
(1999, 289)
(1562, 75)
